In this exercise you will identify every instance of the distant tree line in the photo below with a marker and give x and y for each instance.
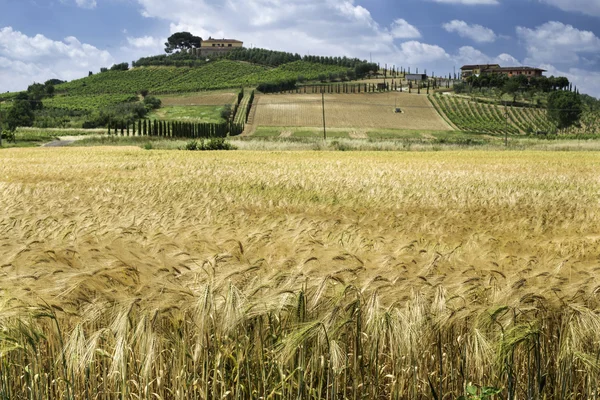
(273, 58)
(270, 58)
(539, 83)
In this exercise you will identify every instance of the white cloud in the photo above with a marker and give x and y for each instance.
(25, 59)
(86, 3)
(470, 55)
(469, 2)
(145, 42)
(416, 53)
(401, 29)
(477, 33)
(322, 27)
(590, 7)
(587, 82)
(555, 42)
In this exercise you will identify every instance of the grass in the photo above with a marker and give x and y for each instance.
(33, 137)
(200, 113)
(313, 275)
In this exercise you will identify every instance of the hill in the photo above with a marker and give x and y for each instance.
(114, 94)
(481, 117)
(222, 74)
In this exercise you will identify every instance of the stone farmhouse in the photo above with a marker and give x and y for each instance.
(470, 70)
(213, 46)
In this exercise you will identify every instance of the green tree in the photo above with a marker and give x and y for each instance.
(564, 108)
(36, 93)
(20, 114)
(152, 103)
(182, 41)
(512, 87)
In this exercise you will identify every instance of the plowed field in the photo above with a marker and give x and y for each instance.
(349, 111)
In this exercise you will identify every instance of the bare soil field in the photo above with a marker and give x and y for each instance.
(199, 99)
(349, 111)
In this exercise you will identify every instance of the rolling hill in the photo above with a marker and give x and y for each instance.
(113, 87)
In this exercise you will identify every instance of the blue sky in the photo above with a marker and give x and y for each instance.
(43, 39)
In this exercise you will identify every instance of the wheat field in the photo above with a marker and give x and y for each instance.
(138, 274)
(373, 110)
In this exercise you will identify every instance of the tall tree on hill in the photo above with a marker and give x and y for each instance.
(564, 108)
(182, 41)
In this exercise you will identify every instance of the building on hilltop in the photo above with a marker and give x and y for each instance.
(470, 70)
(476, 70)
(213, 46)
(513, 71)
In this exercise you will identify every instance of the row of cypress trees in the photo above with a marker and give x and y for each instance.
(175, 129)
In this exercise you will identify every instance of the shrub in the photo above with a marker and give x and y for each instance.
(226, 112)
(120, 67)
(152, 103)
(210, 144)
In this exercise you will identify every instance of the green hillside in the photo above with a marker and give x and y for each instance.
(114, 94)
(222, 74)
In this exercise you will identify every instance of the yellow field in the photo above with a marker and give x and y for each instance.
(348, 111)
(178, 275)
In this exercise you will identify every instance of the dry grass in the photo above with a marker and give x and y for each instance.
(178, 275)
(349, 111)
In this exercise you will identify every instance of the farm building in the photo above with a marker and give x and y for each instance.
(416, 77)
(513, 71)
(476, 70)
(470, 70)
(213, 46)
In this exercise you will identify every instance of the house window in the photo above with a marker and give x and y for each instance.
(229, 45)
(214, 45)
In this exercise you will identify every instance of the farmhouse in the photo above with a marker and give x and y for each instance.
(513, 71)
(476, 70)
(470, 70)
(213, 46)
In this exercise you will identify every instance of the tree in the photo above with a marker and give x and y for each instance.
(512, 87)
(564, 108)
(182, 41)
(152, 103)
(20, 114)
(36, 93)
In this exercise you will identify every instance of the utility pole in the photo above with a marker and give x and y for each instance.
(324, 130)
(506, 128)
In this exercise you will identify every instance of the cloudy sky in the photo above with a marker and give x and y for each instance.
(43, 39)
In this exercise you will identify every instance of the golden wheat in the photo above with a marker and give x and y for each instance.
(180, 275)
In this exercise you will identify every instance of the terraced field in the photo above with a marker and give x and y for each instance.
(349, 111)
(472, 116)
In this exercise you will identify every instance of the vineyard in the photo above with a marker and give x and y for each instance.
(349, 111)
(477, 117)
(87, 102)
(114, 87)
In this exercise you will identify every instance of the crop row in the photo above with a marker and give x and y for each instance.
(86, 103)
(215, 75)
(472, 116)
